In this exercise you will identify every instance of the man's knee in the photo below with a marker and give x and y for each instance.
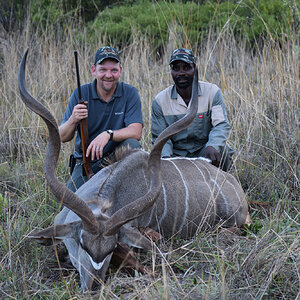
(131, 143)
(71, 185)
(77, 178)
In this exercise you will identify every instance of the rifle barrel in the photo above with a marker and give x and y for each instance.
(78, 76)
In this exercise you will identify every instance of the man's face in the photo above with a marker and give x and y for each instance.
(182, 74)
(107, 74)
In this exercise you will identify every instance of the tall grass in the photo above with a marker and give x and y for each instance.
(261, 92)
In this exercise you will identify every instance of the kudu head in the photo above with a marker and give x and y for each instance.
(97, 233)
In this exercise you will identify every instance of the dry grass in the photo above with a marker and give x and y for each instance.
(262, 97)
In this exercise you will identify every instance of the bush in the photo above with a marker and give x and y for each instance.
(45, 12)
(192, 22)
(10, 13)
(121, 21)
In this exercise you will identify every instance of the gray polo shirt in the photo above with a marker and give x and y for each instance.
(210, 127)
(123, 109)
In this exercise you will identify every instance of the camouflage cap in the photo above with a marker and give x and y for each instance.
(183, 54)
(106, 52)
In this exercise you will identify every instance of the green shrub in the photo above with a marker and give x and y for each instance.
(56, 12)
(121, 21)
(46, 13)
(191, 22)
(153, 19)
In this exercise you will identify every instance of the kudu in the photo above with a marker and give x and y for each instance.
(173, 196)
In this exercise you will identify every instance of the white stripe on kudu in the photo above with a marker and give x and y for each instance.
(186, 196)
(165, 205)
(211, 198)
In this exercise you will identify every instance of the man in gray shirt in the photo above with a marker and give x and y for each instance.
(208, 134)
(113, 112)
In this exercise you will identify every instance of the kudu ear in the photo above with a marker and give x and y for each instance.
(132, 237)
(55, 234)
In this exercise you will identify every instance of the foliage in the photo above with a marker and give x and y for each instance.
(10, 12)
(191, 22)
(45, 12)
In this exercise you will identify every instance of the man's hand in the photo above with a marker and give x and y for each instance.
(79, 112)
(213, 155)
(96, 147)
(67, 130)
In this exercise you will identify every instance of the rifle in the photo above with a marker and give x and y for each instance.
(87, 167)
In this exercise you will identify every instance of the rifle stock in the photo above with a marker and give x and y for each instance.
(83, 128)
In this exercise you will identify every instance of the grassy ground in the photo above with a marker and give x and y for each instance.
(261, 92)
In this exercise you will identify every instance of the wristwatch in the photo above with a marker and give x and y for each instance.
(111, 133)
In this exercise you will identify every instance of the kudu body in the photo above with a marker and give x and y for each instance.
(174, 196)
